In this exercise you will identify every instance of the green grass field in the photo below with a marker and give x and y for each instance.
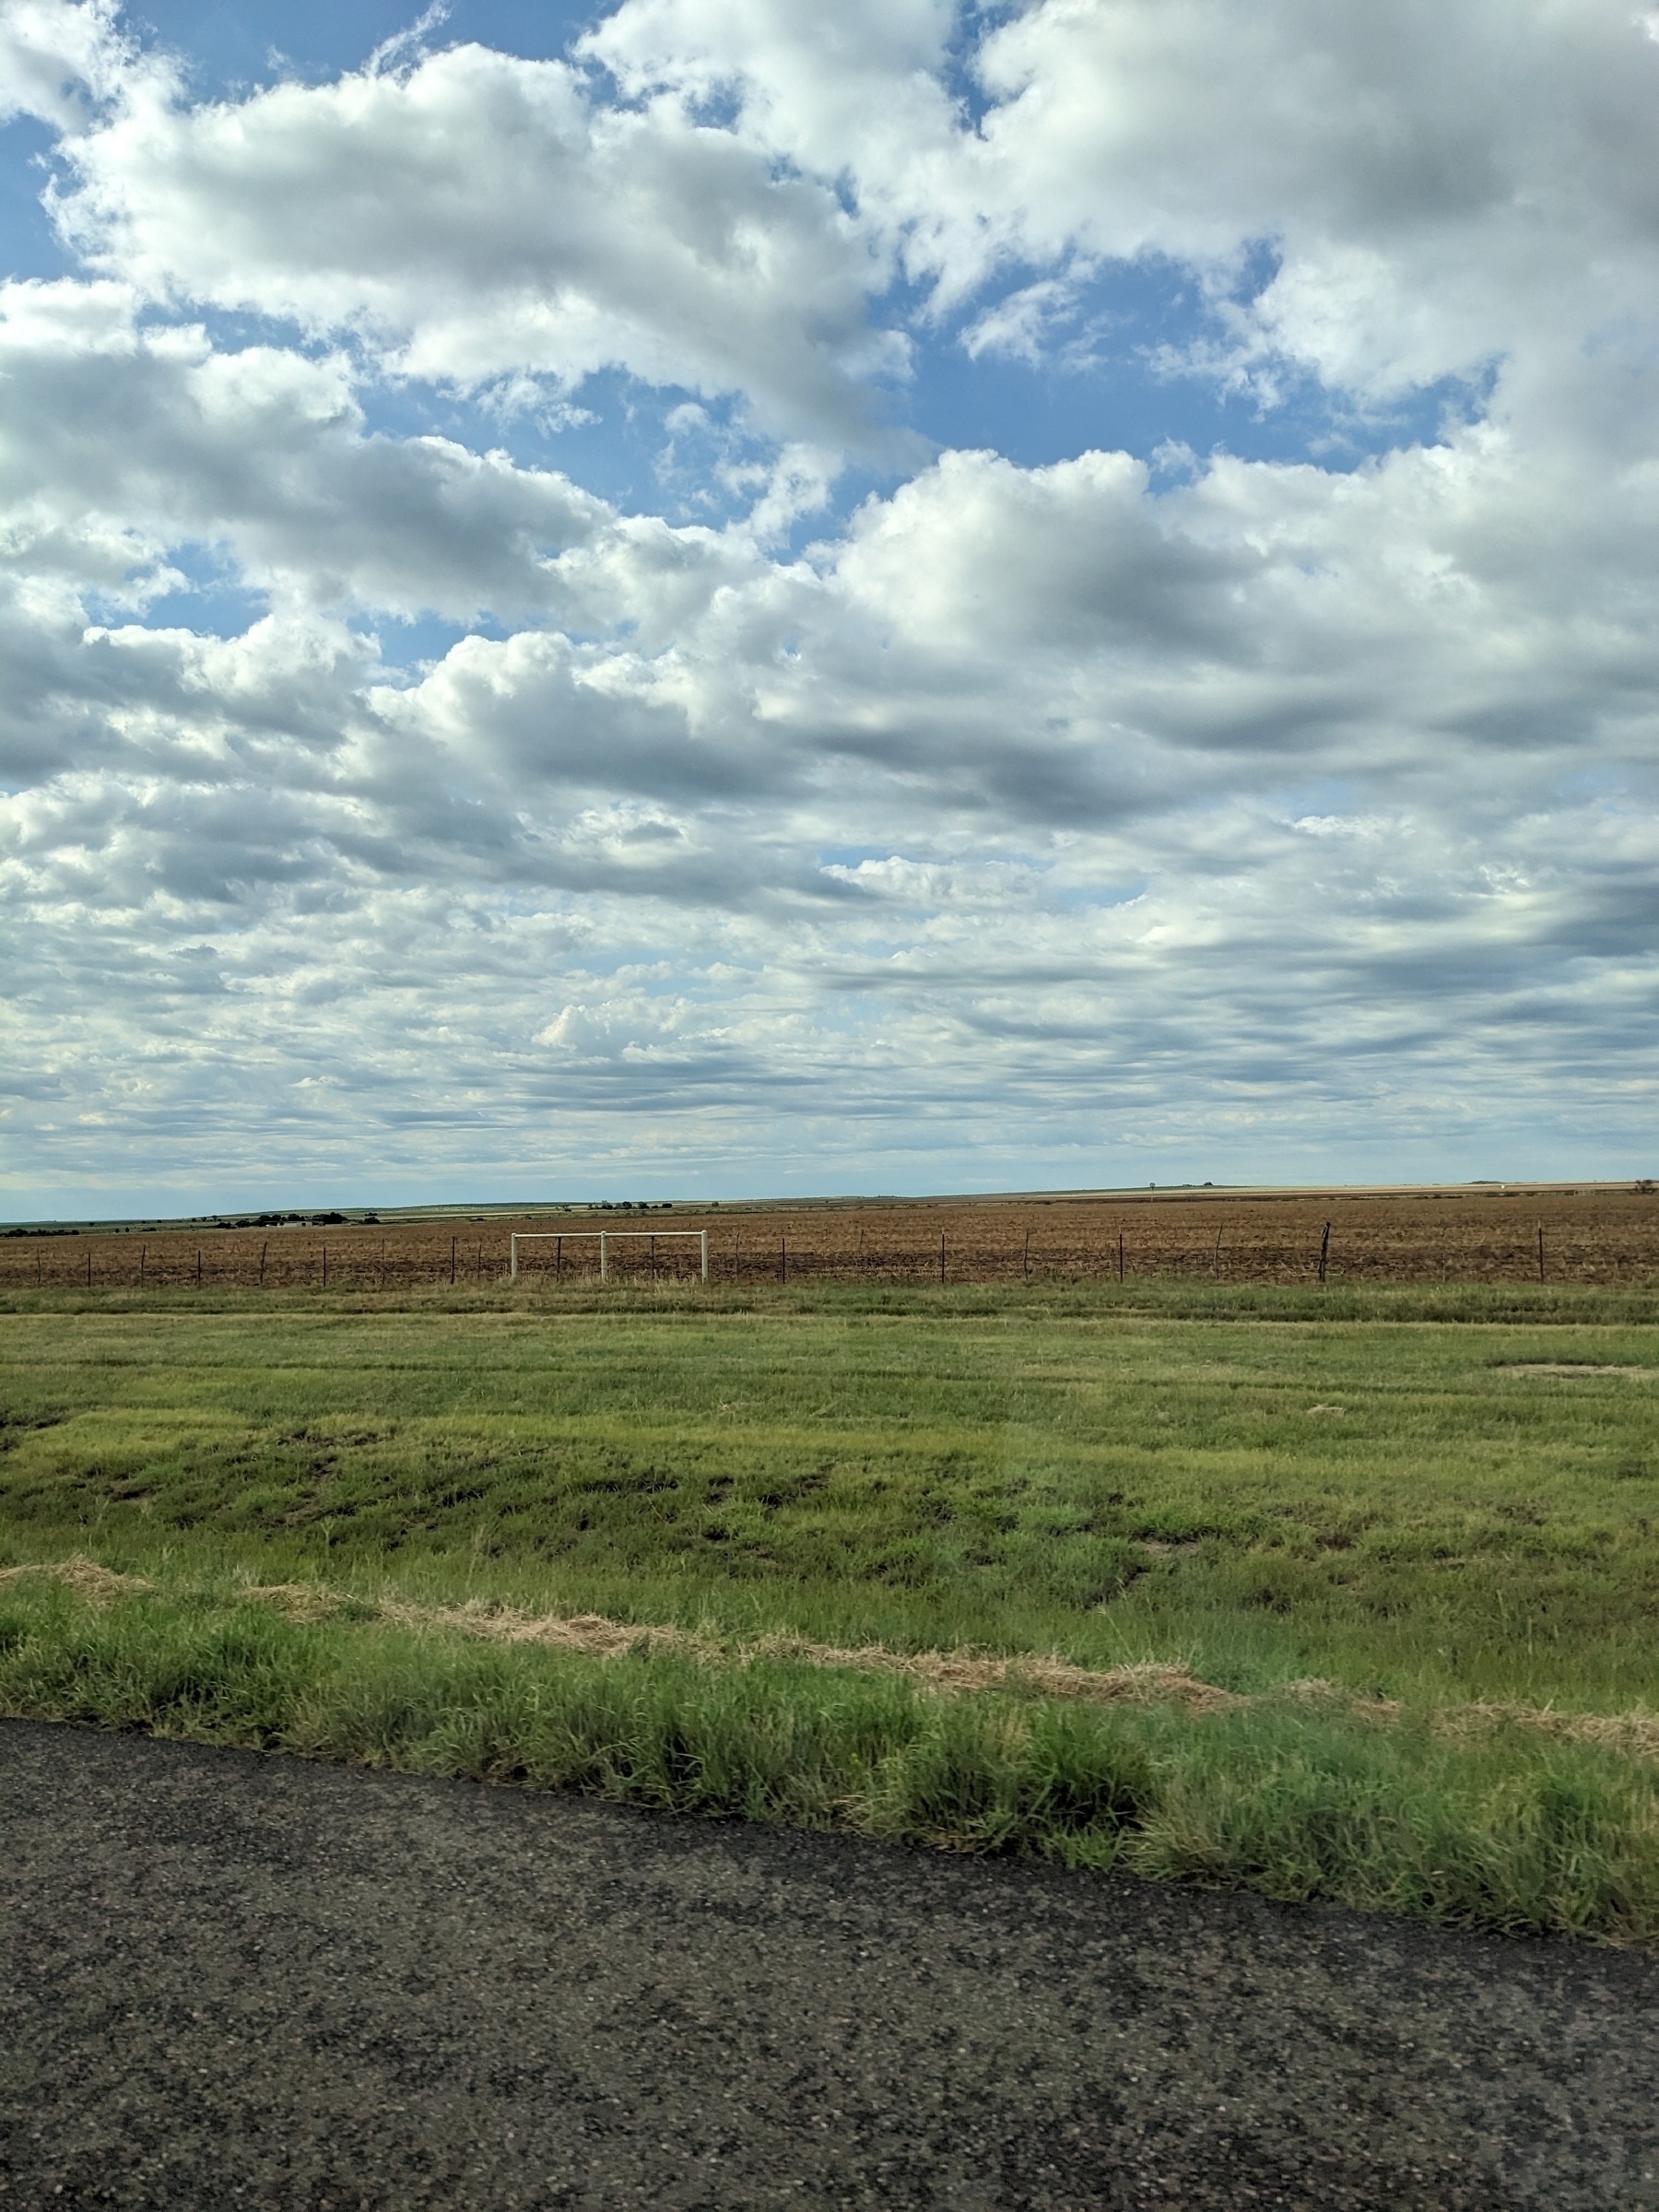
(1445, 1499)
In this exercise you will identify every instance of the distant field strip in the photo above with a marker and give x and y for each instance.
(1592, 1235)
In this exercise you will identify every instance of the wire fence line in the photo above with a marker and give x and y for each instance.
(876, 1248)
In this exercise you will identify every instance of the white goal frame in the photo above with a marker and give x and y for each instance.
(606, 1237)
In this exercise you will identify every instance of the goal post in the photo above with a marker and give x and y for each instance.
(604, 1238)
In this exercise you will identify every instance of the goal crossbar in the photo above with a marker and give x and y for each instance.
(606, 1238)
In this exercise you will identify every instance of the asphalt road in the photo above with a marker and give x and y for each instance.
(235, 1981)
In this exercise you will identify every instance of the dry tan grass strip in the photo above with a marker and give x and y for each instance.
(588, 1633)
(303, 1602)
(1150, 1682)
(1318, 1690)
(593, 1636)
(98, 1585)
(1635, 1732)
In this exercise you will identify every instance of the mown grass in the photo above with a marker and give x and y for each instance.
(1114, 1477)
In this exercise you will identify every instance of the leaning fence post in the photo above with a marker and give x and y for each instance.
(1324, 1251)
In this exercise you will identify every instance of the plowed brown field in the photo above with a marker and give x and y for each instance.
(1590, 1234)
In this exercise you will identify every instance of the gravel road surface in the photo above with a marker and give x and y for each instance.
(236, 1981)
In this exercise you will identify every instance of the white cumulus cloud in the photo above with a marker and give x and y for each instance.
(385, 797)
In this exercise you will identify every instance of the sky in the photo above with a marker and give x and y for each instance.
(713, 598)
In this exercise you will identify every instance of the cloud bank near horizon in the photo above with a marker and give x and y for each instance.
(512, 679)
